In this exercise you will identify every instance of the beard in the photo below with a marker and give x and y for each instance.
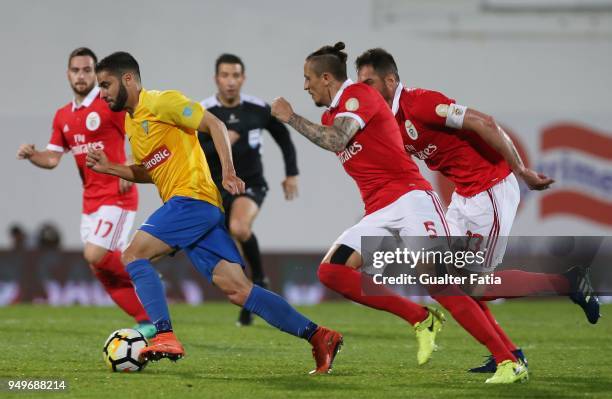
(80, 91)
(119, 103)
(317, 101)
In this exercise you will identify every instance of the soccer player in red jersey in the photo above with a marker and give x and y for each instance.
(359, 127)
(473, 151)
(109, 203)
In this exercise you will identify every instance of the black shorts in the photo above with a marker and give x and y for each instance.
(256, 193)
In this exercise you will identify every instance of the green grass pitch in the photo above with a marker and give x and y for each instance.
(567, 356)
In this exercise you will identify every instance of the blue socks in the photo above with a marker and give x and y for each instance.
(277, 312)
(268, 305)
(151, 293)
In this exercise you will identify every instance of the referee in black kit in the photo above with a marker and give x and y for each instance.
(245, 116)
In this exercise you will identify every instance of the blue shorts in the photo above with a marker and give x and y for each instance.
(196, 227)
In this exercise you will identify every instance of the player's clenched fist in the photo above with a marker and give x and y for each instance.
(97, 160)
(281, 109)
(25, 151)
(290, 187)
(233, 184)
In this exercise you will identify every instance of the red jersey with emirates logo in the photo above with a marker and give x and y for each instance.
(375, 157)
(93, 125)
(431, 130)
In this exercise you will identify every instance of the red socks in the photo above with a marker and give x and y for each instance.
(360, 288)
(117, 283)
(517, 283)
(501, 333)
(471, 317)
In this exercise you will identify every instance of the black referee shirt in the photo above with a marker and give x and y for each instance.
(248, 119)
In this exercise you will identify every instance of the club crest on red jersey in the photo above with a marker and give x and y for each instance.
(92, 121)
(411, 130)
(352, 104)
(442, 110)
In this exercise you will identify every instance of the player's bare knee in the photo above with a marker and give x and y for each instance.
(129, 255)
(134, 252)
(240, 230)
(91, 258)
(93, 255)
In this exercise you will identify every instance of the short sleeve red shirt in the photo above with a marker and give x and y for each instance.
(92, 125)
(428, 134)
(375, 157)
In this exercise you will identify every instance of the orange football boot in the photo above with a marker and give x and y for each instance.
(325, 346)
(163, 345)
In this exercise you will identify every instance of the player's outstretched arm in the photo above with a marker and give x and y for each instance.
(46, 159)
(493, 134)
(210, 123)
(97, 161)
(332, 138)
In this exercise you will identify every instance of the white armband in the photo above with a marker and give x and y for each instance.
(455, 115)
(56, 148)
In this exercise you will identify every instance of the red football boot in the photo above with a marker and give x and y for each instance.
(325, 345)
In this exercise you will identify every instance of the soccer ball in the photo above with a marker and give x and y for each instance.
(122, 350)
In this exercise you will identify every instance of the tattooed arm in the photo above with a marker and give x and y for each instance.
(493, 134)
(332, 138)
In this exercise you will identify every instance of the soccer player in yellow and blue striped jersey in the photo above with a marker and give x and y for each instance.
(161, 127)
